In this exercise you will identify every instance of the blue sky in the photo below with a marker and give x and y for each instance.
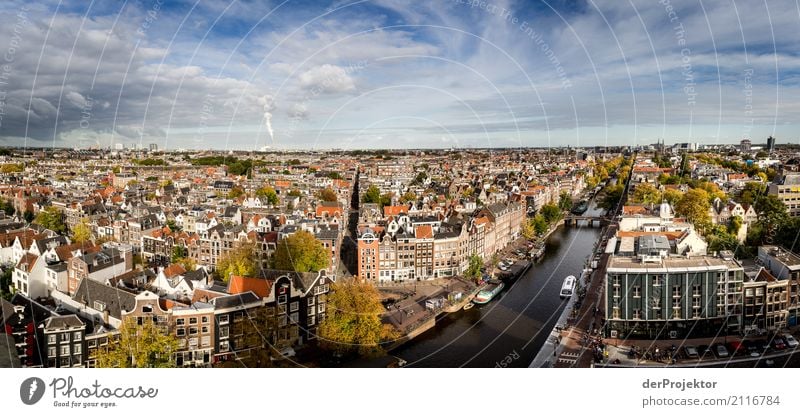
(346, 74)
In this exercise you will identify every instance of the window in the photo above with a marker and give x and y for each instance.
(204, 329)
(92, 343)
(205, 341)
(282, 320)
(637, 291)
(51, 339)
(76, 348)
(321, 307)
(294, 318)
(65, 350)
(657, 280)
(204, 320)
(180, 332)
(311, 311)
(192, 320)
(311, 321)
(223, 319)
(696, 292)
(637, 314)
(224, 346)
(282, 299)
(77, 336)
(294, 306)
(65, 337)
(311, 300)
(99, 305)
(180, 322)
(193, 330)
(676, 291)
(51, 352)
(224, 332)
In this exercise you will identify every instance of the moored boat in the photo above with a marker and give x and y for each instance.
(489, 292)
(568, 287)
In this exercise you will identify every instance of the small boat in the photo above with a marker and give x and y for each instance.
(537, 251)
(580, 208)
(468, 306)
(568, 287)
(487, 294)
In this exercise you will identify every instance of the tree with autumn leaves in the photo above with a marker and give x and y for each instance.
(353, 322)
(139, 346)
(301, 252)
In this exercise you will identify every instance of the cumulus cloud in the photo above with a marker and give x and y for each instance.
(327, 79)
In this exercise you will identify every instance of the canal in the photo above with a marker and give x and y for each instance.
(510, 329)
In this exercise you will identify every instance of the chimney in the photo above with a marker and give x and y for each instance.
(105, 316)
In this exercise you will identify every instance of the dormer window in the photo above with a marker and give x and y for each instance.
(99, 305)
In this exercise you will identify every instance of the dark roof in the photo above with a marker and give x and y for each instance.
(63, 322)
(114, 299)
(237, 300)
(301, 280)
(47, 243)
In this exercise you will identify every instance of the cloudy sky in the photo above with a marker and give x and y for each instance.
(228, 74)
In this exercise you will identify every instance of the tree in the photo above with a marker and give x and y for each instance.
(5, 283)
(235, 192)
(294, 193)
(771, 212)
(7, 207)
(139, 346)
(328, 195)
(269, 194)
(241, 261)
(188, 264)
(353, 321)
(474, 269)
(528, 231)
(82, 232)
(734, 225)
(612, 196)
(647, 194)
(408, 196)
(372, 195)
(51, 218)
(672, 196)
(694, 206)
(300, 252)
(178, 252)
(28, 216)
(551, 213)
(539, 225)
(564, 201)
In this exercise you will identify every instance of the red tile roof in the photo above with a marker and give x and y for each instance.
(261, 287)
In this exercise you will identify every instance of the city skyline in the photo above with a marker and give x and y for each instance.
(378, 75)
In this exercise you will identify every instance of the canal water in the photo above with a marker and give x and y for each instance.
(510, 329)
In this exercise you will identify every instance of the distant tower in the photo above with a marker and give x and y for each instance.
(153, 147)
(770, 144)
(744, 145)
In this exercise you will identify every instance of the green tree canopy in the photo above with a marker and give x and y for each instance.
(82, 232)
(51, 218)
(551, 213)
(240, 261)
(694, 206)
(139, 346)
(353, 320)
(646, 194)
(269, 194)
(300, 252)
(564, 201)
(328, 195)
(474, 269)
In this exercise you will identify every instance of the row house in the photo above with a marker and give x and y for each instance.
(722, 213)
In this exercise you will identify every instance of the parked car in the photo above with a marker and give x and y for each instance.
(750, 347)
(704, 350)
(735, 347)
(778, 343)
(691, 352)
(791, 342)
(721, 351)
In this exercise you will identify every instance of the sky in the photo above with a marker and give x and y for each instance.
(253, 74)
